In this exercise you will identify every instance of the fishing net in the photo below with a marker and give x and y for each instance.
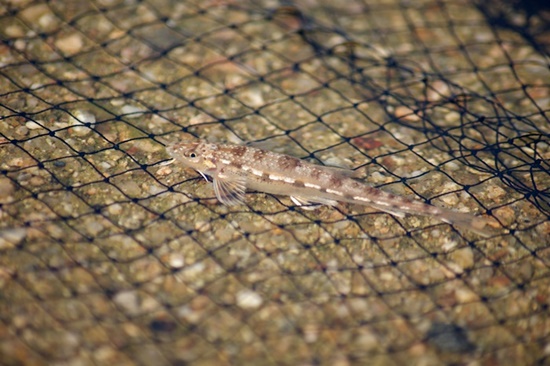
(111, 255)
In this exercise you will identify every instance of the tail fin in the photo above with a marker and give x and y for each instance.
(466, 221)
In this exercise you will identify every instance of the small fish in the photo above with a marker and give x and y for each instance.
(236, 168)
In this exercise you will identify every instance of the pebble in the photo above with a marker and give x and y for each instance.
(439, 89)
(21, 131)
(452, 116)
(254, 97)
(14, 31)
(464, 295)
(131, 111)
(129, 300)
(463, 257)
(164, 171)
(406, 113)
(449, 338)
(31, 125)
(7, 189)
(71, 44)
(10, 238)
(131, 188)
(450, 199)
(115, 209)
(248, 299)
(94, 227)
(452, 166)
(78, 121)
(36, 181)
(176, 260)
(496, 192)
(505, 214)
(83, 116)
(47, 22)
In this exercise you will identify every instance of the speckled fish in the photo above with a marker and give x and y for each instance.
(236, 168)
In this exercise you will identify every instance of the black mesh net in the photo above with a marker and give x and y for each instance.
(109, 256)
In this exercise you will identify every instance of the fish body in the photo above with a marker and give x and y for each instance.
(236, 168)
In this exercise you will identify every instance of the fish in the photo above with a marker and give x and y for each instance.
(234, 169)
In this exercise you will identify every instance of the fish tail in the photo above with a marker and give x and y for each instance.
(466, 221)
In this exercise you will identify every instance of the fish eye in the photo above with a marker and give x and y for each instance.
(192, 155)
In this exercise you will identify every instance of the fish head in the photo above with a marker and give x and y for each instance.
(196, 154)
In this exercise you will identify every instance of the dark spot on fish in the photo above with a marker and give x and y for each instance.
(288, 162)
(317, 173)
(349, 197)
(237, 151)
(258, 155)
(335, 181)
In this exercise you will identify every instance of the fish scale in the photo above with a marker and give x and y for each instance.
(237, 168)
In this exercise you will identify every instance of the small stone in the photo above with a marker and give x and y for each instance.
(94, 227)
(131, 188)
(31, 125)
(463, 257)
(82, 116)
(496, 192)
(176, 260)
(452, 116)
(36, 181)
(7, 189)
(128, 300)
(14, 31)
(465, 296)
(406, 113)
(115, 209)
(131, 111)
(164, 171)
(21, 131)
(452, 166)
(450, 199)
(80, 131)
(70, 45)
(311, 333)
(449, 338)
(505, 214)
(248, 299)
(47, 21)
(10, 238)
(438, 90)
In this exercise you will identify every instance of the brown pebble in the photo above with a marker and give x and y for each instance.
(406, 113)
(7, 188)
(70, 45)
(36, 181)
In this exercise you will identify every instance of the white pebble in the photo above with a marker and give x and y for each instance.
(70, 45)
(31, 125)
(131, 111)
(452, 166)
(128, 300)
(81, 117)
(176, 260)
(11, 237)
(248, 299)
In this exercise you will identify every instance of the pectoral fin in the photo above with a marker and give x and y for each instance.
(229, 189)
